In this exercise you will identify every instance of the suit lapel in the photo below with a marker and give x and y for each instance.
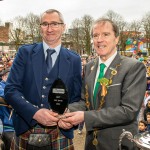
(115, 62)
(107, 75)
(37, 62)
(91, 80)
(64, 64)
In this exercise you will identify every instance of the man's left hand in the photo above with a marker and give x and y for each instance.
(74, 118)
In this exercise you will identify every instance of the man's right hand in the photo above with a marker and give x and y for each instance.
(46, 117)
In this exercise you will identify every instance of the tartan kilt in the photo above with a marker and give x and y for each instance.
(58, 140)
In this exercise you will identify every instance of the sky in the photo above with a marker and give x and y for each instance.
(72, 9)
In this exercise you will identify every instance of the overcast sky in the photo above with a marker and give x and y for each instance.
(71, 9)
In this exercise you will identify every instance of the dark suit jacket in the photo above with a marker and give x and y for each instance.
(24, 85)
(122, 103)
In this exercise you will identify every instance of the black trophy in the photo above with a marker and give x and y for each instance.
(58, 96)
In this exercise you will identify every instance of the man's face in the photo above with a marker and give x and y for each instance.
(148, 119)
(142, 127)
(52, 35)
(104, 40)
(148, 104)
(148, 81)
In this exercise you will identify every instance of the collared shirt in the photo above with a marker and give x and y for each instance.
(107, 63)
(54, 55)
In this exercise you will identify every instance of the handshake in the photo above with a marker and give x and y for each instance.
(70, 119)
(66, 121)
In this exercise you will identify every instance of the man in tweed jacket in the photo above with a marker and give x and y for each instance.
(121, 91)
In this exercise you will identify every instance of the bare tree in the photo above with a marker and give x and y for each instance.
(25, 30)
(17, 33)
(146, 26)
(80, 34)
(135, 26)
(75, 34)
(32, 23)
(117, 18)
(86, 24)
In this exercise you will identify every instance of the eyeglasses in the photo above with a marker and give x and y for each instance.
(52, 25)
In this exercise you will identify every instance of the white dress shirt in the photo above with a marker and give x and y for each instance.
(107, 63)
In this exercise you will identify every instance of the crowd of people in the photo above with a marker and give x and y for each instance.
(105, 91)
(5, 113)
(5, 61)
(6, 126)
(144, 115)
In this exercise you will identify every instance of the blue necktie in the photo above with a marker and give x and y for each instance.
(101, 74)
(49, 59)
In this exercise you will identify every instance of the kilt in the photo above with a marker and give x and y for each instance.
(58, 140)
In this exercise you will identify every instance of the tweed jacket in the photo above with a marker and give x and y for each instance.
(122, 103)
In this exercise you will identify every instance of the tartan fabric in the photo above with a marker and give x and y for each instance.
(59, 141)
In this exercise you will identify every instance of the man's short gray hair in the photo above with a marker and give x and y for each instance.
(49, 11)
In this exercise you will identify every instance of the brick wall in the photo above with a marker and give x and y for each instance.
(4, 32)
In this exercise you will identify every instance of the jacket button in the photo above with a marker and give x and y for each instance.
(46, 79)
(44, 87)
(43, 96)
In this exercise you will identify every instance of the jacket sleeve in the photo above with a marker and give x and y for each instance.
(14, 89)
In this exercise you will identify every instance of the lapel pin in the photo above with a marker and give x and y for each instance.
(114, 71)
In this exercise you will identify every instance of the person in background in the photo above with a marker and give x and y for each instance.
(31, 77)
(147, 97)
(147, 109)
(148, 84)
(112, 92)
(5, 113)
(148, 121)
(142, 126)
(141, 58)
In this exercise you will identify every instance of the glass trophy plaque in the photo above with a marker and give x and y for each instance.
(58, 97)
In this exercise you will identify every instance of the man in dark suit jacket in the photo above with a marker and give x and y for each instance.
(29, 82)
(119, 97)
